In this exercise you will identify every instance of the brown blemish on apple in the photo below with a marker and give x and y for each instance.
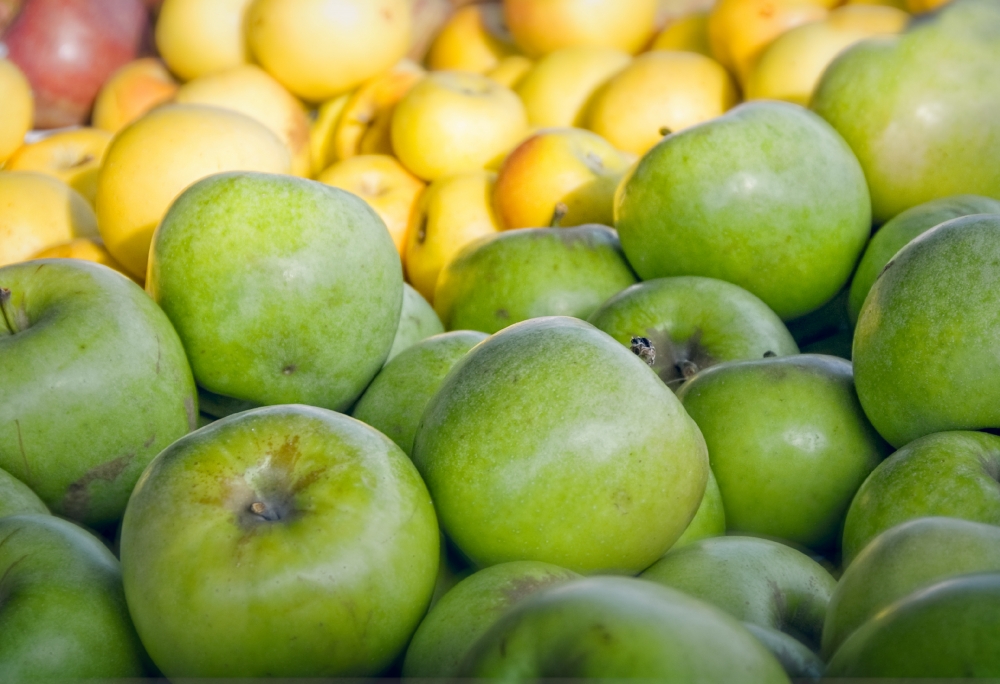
(149, 442)
(192, 415)
(77, 499)
(522, 587)
(289, 369)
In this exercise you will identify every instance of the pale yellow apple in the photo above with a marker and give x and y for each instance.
(382, 182)
(792, 65)
(39, 211)
(924, 5)
(87, 249)
(898, 4)
(132, 90)
(153, 160)
(543, 26)
(17, 108)
(73, 156)
(249, 90)
(200, 37)
(659, 92)
(322, 48)
(669, 11)
(455, 122)
(556, 90)
(474, 39)
(511, 70)
(429, 17)
(450, 213)
(564, 173)
(688, 34)
(322, 149)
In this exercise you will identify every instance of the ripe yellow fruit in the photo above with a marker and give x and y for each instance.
(543, 26)
(322, 148)
(474, 39)
(88, 249)
(17, 108)
(511, 70)
(200, 37)
(73, 156)
(925, 5)
(687, 34)
(132, 91)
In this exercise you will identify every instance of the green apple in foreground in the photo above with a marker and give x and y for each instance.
(710, 518)
(417, 321)
(788, 441)
(62, 615)
(16, 497)
(693, 323)
(767, 196)
(283, 290)
(287, 541)
(951, 474)
(93, 384)
(925, 356)
(593, 465)
(616, 627)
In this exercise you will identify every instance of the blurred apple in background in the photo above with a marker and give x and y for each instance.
(688, 33)
(73, 156)
(8, 10)
(474, 39)
(510, 70)
(88, 249)
(543, 26)
(428, 18)
(417, 321)
(132, 91)
(323, 126)
(200, 37)
(16, 108)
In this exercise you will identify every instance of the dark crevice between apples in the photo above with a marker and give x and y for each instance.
(674, 361)
(76, 501)
(14, 318)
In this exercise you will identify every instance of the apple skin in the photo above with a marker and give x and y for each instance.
(16, 497)
(925, 345)
(797, 659)
(474, 605)
(64, 616)
(520, 274)
(902, 560)
(617, 627)
(417, 321)
(338, 568)
(710, 518)
(898, 232)
(948, 630)
(952, 474)
(576, 483)
(788, 441)
(767, 196)
(397, 397)
(94, 386)
(694, 323)
(283, 290)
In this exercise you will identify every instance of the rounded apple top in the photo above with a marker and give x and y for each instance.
(17, 497)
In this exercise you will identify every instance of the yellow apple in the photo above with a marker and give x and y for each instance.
(200, 37)
(322, 149)
(322, 48)
(73, 156)
(924, 5)
(898, 4)
(659, 90)
(132, 90)
(450, 213)
(249, 90)
(429, 17)
(791, 66)
(17, 108)
(474, 39)
(543, 26)
(39, 211)
(565, 173)
(688, 34)
(511, 70)
(556, 90)
(88, 249)
(455, 122)
(384, 184)
(153, 160)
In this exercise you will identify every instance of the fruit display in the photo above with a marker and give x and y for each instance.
(515, 339)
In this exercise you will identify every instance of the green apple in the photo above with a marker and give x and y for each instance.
(93, 384)
(283, 290)
(953, 474)
(466, 612)
(62, 615)
(798, 660)
(552, 442)
(767, 196)
(948, 630)
(902, 560)
(618, 628)
(515, 275)
(925, 356)
(710, 518)
(219, 406)
(919, 109)
(286, 541)
(397, 397)
(417, 321)
(692, 323)
(17, 497)
(788, 441)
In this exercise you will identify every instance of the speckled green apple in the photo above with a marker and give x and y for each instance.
(919, 110)
(286, 541)
(16, 497)
(767, 196)
(417, 321)
(283, 290)
(94, 384)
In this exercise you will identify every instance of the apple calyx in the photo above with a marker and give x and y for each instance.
(265, 512)
(13, 318)
(265, 509)
(676, 362)
(642, 348)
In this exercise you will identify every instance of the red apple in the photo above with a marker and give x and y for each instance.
(68, 48)
(8, 9)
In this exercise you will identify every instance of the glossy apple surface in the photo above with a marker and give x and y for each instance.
(417, 321)
(16, 497)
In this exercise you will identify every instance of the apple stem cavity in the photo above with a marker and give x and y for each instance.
(14, 319)
(644, 349)
(265, 512)
(558, 215)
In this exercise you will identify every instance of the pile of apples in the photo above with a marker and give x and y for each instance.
(514, 338)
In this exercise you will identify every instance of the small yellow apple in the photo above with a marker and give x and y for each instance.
(556, 91)
(384, 184)
(455, 122)
(511, 70)
(132, 90)
(916, 6)
(73, 156)
(322, 48)
(39, 211)
(564, 173)
(322, 149)
(659, 90)
(687, 34)
(450, 213)
(474, 39)
(17, 108)
(898, 4)
(249, 90)
(153, 160)
(200, 37)
(543, 26)
(87, 249)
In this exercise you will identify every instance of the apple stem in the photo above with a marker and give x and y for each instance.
(15, 321)
(664, 131)
(261, 510)
(559, 214)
